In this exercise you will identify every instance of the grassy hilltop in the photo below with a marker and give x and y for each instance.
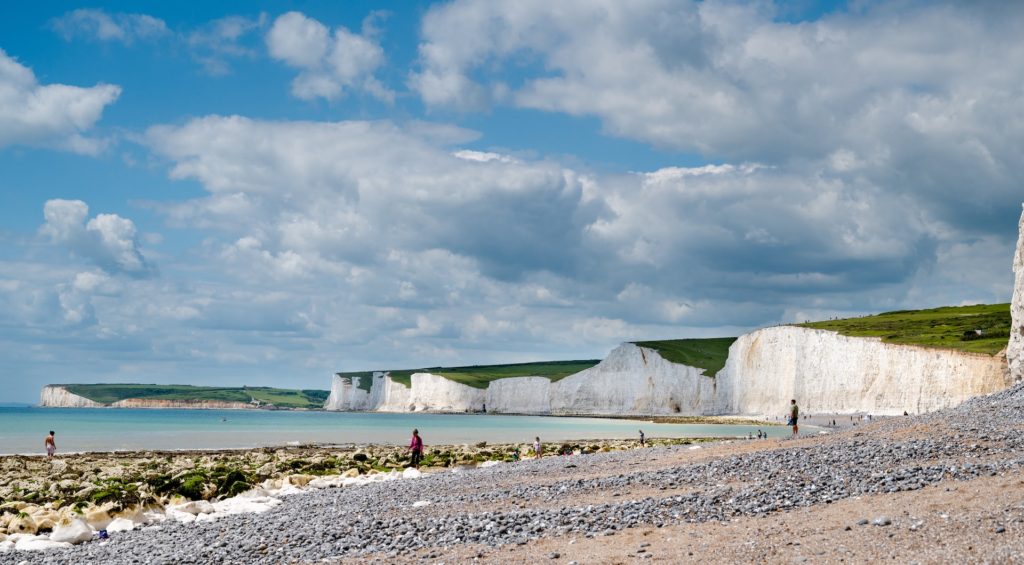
(280, 397)
(479, 376)
(950, 327)
(708, 354)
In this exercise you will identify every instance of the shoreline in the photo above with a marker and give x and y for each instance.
(139, 488)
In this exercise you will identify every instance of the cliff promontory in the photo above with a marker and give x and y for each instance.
(1015, 349)
(177, 396)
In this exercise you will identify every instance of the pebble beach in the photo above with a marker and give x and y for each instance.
(939, 488)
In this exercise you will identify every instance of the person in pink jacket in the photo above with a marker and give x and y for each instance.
(416, 449)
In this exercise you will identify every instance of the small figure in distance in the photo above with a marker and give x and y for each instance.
(794, 416)
(51, 446)
(537, 448)
(642, 438)
(760, 434)
(415, 449)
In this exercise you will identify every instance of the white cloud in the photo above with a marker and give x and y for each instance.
(49, 115)
(108, 240)
(220, 40)
(731, 81)
(101, 26)
(330, 63)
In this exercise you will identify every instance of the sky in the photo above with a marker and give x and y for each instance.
(265, 193)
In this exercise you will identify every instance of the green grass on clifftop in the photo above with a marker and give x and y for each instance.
(479, 376)
(708, 354)
(280, 397)
(950, 327)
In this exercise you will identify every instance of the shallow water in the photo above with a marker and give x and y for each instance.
(22, 430)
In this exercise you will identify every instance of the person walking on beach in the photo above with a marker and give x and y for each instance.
(416, 449)
(642, 438)
(536, 447)
(51, 446)
(794, 416)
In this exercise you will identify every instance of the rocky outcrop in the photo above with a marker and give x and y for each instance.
(828, 372)
(1015, 349)
(56, 396)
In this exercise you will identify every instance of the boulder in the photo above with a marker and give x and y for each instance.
(75, 530)
(22, 524)
(38, 543)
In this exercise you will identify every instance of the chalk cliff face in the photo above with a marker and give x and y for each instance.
(429, 393)
(519, 395)
(58, 397)
(828, 372)
(631, 381)
(634, 380)
(1015, 350)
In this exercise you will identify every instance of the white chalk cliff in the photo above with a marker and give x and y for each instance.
(829, 372)
(631, 381)
(635, 380)
(1015, 349)
(58, 396)
(825, 371)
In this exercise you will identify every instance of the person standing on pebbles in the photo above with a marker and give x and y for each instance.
(50, 444)
(537, 448)
(642, 438)
(416, 449)
(794, 416)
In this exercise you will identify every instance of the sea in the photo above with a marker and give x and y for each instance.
(22, 429)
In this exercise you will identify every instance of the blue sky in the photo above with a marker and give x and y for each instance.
(268, 192)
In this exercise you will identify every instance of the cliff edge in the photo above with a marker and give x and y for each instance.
(1015, 349)
(829, 372)
(56, 396)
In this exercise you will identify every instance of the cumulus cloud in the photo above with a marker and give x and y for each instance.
(98, 25)
(914, 97)
(107, 240)
(331, 63)
(453, 248)
(49, 115)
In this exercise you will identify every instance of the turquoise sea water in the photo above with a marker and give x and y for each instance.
(22, 430)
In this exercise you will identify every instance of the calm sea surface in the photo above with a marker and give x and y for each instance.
(96, 429)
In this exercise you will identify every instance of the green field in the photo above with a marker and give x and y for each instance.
(708, 354)
(280, 397)
(479, 376)
(950, 327)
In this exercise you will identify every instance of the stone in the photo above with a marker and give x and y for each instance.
(22, 524)
(75, 530)
(881, 521)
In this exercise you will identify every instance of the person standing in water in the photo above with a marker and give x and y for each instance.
(794, 416)
(416, 449)
(51, 446)
(537, 448)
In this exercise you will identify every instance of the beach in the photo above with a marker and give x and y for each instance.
(937, 488)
